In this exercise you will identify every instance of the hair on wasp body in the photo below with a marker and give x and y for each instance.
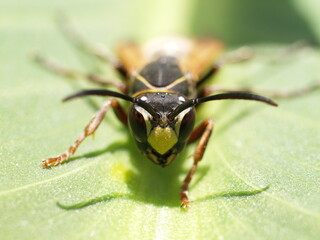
(161, 82)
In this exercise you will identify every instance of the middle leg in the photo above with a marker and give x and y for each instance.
(288, 93)
(239, 55)
(61, 70)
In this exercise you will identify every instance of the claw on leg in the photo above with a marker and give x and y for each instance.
(52, 162)
(185, 204)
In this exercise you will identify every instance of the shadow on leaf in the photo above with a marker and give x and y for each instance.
(119, 196)
(150, 183)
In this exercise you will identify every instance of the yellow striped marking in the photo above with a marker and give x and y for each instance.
(152, 91)
(157, 89)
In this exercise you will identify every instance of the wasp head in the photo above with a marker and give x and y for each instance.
(159, 136)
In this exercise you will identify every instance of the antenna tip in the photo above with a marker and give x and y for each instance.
(273, 103)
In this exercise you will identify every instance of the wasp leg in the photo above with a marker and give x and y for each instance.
(89, 129)
(239, 55)
(61, 70)
(78, 40)
(203, 131)
(270, 93)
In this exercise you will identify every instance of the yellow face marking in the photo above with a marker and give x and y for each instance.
(162, 139)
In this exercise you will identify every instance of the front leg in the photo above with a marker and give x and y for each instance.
(89, 129)
(203, 131)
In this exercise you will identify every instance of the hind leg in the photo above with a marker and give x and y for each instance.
(59, 69)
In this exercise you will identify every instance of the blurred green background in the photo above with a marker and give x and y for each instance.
(232, 21)
(253, 146)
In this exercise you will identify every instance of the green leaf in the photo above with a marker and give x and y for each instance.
(259, 178)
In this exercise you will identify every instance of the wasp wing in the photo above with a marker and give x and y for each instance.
(201, 57)
(131, 57)
(195, 56)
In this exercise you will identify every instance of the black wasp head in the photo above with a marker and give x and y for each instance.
(159, 136)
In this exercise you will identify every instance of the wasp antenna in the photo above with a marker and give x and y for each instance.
(180, 108)
(99, 92)
(108, 93)
(147, 107)
(237, 95)
(222, 96)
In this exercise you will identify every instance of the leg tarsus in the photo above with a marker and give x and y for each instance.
(294, 92)
(54, 66)
(185, 203)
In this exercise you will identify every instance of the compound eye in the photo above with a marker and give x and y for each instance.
(187, 124)
(137, 124)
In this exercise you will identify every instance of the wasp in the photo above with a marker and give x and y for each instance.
(163, 80)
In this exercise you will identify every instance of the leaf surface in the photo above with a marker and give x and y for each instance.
(253, 146)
